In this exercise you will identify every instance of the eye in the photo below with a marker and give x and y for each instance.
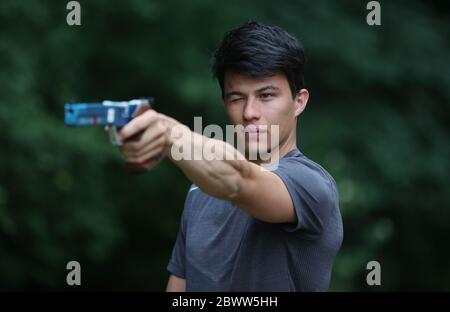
(236, 100)
(266, 96)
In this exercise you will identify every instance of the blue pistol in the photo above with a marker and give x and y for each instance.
(113, 114)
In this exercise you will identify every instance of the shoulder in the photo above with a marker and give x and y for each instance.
(302, 173)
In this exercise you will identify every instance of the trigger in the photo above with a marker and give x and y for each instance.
(113, 137)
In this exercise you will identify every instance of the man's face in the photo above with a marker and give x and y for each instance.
(258, 103)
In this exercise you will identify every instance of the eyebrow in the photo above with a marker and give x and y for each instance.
(269, 87)
(265, 88)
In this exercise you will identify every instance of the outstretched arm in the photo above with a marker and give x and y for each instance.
(223, 173)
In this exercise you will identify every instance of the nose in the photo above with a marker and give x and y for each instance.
(252, 110)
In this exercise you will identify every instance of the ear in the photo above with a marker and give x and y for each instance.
(300, 101)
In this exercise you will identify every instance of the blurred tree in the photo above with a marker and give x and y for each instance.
(377, 120)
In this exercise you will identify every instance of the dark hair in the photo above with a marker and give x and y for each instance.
(260, 50)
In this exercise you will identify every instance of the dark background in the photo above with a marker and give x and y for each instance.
(377, 120)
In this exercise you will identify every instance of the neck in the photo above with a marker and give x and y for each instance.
(279, 152)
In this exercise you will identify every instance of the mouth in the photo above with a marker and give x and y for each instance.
(255, 130)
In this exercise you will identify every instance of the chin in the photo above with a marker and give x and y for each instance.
(253, 151)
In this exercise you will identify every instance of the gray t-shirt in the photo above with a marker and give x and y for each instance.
(222, 248)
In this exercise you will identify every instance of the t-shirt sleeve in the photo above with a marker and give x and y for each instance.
(177, 262)
(311, 193)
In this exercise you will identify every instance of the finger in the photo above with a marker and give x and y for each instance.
(145, 156)
(157, 144)
(152, 133)
(133, 154)
(133, 167)
(138, 124)
(148, 137)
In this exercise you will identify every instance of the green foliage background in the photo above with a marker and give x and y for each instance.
(377, 120)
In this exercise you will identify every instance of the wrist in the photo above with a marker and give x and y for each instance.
(175, 133)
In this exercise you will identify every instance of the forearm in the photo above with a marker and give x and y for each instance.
(176, 284)
(213, 165)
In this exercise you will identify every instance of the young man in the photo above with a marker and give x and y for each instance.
(244, 228)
